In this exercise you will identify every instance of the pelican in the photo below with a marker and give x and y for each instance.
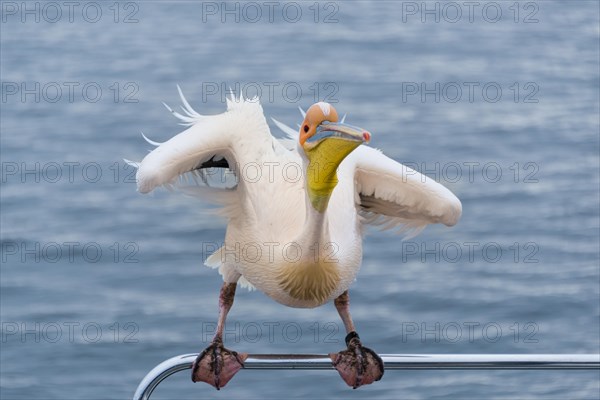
(295, 228)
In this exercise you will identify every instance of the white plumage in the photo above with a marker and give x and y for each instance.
(269, 214)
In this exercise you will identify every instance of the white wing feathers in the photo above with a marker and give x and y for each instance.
(291, 135)
(390, 194)
(183, 153)
(209, 139)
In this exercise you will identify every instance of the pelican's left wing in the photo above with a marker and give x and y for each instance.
(389, 194)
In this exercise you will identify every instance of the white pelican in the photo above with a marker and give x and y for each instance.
(296, 238)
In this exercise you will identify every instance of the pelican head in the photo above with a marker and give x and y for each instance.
(321, 123)
(326, 142)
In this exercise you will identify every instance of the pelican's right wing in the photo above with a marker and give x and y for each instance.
(201, 146)
(390, 194)
(227, 140)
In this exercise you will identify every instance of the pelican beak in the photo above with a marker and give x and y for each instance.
(325, 150)
(339, 130)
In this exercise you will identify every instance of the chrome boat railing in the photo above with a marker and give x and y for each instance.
(391, 361)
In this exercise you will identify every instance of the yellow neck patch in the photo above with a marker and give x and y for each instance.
(324, 159)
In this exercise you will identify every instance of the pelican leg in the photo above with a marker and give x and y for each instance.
(357, 365)
(216, 365)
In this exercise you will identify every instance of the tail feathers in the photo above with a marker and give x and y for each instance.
(215, 260)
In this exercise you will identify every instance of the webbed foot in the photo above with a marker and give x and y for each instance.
(216, 365)
(357, 365)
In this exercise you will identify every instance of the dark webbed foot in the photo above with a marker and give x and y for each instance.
(216, 365)
(357, 365)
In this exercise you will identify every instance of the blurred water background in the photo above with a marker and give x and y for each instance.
(512, 128)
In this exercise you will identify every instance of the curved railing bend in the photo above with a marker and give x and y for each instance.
(391, 361)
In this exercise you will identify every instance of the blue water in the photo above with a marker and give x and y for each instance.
(79, 324)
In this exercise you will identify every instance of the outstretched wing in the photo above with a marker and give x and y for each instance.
(390, 194)
(203, 145)
(230, 140)
(225, 140)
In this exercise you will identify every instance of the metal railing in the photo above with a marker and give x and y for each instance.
(391, 362)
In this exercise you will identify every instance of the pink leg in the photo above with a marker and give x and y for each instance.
(216, 365)
(357, 365)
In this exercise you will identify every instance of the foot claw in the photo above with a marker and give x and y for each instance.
(216, 365)
(357, 365)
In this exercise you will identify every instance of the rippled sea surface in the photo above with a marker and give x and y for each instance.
(100, 283)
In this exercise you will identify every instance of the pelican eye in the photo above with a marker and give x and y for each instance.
(305, 128)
